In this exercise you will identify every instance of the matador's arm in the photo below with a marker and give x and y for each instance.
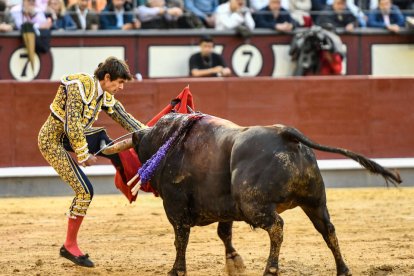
(127, 121)
(73, 122)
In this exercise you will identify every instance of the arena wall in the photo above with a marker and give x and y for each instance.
(369, 115)
(165, 53)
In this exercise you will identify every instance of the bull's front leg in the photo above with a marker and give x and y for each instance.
(182, 234)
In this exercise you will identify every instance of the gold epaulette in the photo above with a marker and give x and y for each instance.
(85, 83)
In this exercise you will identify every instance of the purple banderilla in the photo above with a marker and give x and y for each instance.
(148, 169)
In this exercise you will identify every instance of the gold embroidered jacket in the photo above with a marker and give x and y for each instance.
(77, 106)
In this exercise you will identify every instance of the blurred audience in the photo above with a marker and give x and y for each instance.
(257, 5)
(42, 4)
(6, 20)
(206, 63)
(60, 19)
(234, 15)
(317, 7)
(338, 16)
(357, 8)
(118, 15)
(300, 12)
(28, 12)
(405, 6)
(204, 9)
(386, 16)
(274, 17)
(84, 18)
(239, 15)
(157, 15)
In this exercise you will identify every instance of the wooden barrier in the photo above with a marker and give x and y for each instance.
(369, 115)
(165, 53)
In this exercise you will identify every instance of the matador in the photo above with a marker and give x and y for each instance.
(77, 104)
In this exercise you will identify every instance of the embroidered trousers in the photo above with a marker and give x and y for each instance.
(54, 146)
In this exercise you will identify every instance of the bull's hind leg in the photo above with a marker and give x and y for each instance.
(321, 220)
(275, 231)
(268, 219)
(234, 263)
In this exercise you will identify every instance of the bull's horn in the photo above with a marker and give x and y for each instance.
(118, 147)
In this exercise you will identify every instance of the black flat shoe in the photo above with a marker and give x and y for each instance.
(79, 260)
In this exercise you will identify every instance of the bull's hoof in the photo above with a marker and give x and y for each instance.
(234, 264)
(177, 273)
(272, 271)
(345, 272)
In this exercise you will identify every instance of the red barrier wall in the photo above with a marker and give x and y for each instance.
(372, 116)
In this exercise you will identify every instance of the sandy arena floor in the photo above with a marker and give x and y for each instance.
(375, 227)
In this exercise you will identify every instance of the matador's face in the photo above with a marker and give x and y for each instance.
(112, 86)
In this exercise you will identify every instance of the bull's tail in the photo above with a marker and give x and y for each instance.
(391, 176)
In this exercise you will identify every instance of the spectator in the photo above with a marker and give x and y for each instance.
(386, 16)
(257, 5)
(118, 15)
(234, 15)
(405, 6)
(6, 20)
(99, 5)
(275, 17)
(337, 16)
(359, 8)
(28, 12)
(204, 9)
(57, 12)
(34, 26)
(317, 7)
(206, 63)
(42, 4)
(300, 12)
(156, 15)
(84, 18)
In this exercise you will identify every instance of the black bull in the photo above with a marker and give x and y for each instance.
(221, 172)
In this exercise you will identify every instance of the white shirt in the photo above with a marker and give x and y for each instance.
(82, 17)
(119, 17)
(260, 4)
(228, 20)
(100, 90)
(387, 21)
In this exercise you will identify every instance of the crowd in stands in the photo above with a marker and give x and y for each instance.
(240, 15)
(316, 49)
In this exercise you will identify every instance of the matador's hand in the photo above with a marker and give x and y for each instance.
(90, 161)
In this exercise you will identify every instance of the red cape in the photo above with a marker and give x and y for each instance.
(183, 103)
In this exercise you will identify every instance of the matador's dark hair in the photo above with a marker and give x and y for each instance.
(116, 68)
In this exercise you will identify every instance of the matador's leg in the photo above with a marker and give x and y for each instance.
(51, 147)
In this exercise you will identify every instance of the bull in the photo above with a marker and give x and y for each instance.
(221, 172)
